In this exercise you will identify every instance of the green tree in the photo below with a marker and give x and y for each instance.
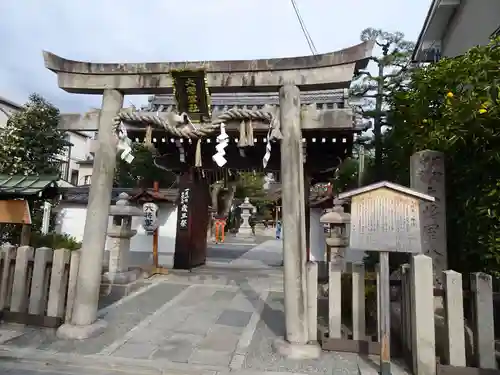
(250, 185)
(143, 171)
(393, 66)
(31, 141)
(453, 106)
(32, 144)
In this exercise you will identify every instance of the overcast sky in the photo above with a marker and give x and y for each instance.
(173, 30)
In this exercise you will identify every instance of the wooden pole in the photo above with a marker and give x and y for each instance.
(385, 315)
(156, 188)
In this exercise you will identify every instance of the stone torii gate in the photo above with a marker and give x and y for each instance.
(286, 75)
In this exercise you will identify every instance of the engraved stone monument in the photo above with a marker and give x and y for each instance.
(427, 171)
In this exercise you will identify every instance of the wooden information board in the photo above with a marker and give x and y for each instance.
(16, 211)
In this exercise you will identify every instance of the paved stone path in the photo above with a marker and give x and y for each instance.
(206, 322)
(231, 252)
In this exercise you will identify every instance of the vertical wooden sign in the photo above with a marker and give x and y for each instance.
(192, 222)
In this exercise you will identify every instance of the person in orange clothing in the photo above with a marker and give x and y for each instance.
(220, 224)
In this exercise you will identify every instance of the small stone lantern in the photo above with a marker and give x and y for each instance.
(121, 232)
(246, 211)
(336, 223)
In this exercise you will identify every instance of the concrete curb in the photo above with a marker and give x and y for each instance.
(46, 360)
(72, 364)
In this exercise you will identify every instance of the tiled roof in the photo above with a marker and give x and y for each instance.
(20, 185)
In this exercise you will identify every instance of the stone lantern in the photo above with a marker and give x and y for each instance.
(336, 223)
(246, 211)
(120, 231)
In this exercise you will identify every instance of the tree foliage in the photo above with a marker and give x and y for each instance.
(32, 144)
(142, 172)
(453, 106)
(393, 66)
(372, 90)
(250, 185)
(31, 141)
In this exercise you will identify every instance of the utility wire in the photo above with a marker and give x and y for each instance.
(309, 40)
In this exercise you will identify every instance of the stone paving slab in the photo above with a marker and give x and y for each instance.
(206, 322)
(243, 279)
(120, 320)
(19, 361)
(261, 356)
(199, 328)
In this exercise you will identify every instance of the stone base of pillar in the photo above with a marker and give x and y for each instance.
(296, 351)
(124, 277)
(74, 332)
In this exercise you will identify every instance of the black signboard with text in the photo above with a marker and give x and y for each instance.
(183, 214)
(191, 95)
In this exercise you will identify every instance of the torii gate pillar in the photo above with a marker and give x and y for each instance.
(294, 229)
(83, 322)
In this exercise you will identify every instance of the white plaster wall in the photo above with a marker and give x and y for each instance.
(6, 110)
(3, 118)
(472, 25)
(84, 171)
(71, 220)
(80, 151)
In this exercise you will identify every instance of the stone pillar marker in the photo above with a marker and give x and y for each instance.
(296, 334)
(245, 229)
(427, 171)
(84, 316)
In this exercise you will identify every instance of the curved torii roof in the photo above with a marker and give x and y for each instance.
(314, 72)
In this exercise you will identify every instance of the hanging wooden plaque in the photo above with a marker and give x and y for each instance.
(191, 94)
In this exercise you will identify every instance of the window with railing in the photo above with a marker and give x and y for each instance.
(64, 170)
(74, 177)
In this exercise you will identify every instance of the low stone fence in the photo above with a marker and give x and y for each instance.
(37, 286)
(347, 309)
(433, 322)
(436, 337)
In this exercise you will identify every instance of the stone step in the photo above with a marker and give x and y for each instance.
(60, 363)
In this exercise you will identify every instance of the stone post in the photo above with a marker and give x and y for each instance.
(427, 173)
(245, 229)
(422, 316)
(84, 316)
(481, 284)
(293, 228)
(121, 232)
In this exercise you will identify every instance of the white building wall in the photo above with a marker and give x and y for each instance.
(472, 25)
(71, 221)
(5, 112)
(85, 174)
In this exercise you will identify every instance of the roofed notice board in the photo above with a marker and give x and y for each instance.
(385, 217)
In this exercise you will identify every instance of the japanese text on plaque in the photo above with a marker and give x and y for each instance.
(184, 210)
